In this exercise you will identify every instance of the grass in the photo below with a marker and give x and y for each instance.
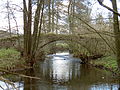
(7, 53)
(10, 58)
(109, 62)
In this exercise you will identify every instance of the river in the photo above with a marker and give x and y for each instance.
(61, 71)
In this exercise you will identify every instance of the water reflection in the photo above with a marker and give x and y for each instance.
(60, 68)
(63, 72)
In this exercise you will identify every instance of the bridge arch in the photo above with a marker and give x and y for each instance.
(91, 44)
(85, 42)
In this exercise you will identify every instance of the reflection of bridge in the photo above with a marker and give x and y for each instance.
(45, 39)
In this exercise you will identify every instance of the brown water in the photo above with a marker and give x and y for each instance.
(63, 72)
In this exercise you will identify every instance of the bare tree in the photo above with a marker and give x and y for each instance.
(116, 27)
(116, 31)
(31, 41)
(8, 16)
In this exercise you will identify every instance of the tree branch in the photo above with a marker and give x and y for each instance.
(18, 74)
(108, 8)
(96, 32)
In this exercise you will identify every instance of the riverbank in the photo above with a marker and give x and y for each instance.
(10, 59)
(108, 63)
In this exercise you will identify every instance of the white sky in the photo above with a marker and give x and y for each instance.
(3, 15)
(99, 9)
(4, 22)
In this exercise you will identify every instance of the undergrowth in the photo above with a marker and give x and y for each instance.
(107, 62)
(10, 58)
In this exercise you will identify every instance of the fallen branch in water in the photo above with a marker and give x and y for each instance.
(21, 75)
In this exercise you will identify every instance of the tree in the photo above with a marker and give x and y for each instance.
(77, 8)
(116, 27)
(11, 17)
(49, 9)
(116, 31)
(31, 41)
(8, 17)
(53, 14)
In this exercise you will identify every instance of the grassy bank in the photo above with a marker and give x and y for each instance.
(108, 62)
(10, 59)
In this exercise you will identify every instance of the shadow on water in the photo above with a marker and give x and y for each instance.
(63, 72)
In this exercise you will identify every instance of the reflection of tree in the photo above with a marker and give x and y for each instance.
(91, 78)
(29, 84)
(60, 69)
(80, 77)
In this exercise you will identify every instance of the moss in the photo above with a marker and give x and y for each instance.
(108, 62)
(10, 59)
(64, 45)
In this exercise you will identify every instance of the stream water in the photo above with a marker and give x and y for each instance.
(61, 71)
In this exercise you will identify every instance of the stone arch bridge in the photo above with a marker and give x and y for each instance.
(90, 43)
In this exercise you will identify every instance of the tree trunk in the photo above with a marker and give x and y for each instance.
(8, 16)
(71, 12)
(25, 26)
(49, 16)
(29, 26)
(27, 18)
(53, 15)
(116, 31)
(57, 18)
(31, 41)
(35, 27)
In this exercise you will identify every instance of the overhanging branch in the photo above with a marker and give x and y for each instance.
(96, 31)
(108, 8)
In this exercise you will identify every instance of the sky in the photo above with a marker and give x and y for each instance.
(4, 22)
(3, 15)
(100, 9)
